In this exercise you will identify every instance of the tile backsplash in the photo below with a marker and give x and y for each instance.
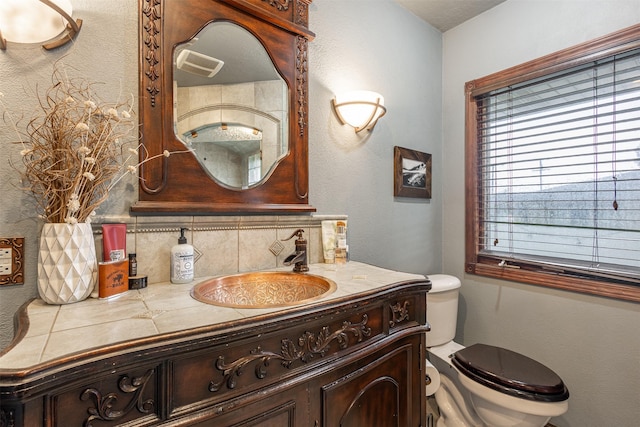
(222, 244)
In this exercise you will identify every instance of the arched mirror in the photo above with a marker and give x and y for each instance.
(228, 80)
(231, 105)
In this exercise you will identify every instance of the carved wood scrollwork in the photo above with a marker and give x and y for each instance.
(279, 4)
(7, 419)
(151, 10)
(301, 82)
(308, 346)
(301, 13)
(399, 313)
(103, 409)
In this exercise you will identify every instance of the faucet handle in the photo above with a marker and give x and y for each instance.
(299, 232)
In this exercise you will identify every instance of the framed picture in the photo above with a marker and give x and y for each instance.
(412, 173)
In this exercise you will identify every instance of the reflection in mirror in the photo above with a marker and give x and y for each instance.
(231, 152)
(226, 88)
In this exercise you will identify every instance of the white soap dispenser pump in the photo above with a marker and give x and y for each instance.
(182, 260)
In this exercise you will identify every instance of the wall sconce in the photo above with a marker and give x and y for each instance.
(360, 109)
(37, 21)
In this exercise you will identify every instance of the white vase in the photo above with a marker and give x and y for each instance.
(67, 265)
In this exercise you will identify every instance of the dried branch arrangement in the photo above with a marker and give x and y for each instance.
(75, 150)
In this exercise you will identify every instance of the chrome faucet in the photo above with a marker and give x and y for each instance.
(299, 257)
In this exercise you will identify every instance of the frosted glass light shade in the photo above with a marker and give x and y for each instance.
(360, 109)
(37, 21)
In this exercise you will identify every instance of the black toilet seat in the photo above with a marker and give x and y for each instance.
(510, 373)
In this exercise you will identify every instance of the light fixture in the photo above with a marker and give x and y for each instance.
(37, 21)
(360, 109)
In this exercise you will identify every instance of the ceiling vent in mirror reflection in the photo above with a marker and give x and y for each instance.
(197, 63)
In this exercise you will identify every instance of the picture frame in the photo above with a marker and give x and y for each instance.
(412, 173)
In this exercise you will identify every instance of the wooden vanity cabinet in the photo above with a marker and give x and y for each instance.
(355, 361)
(383, 389)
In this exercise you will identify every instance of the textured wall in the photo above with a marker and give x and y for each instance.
(382, 47)
(105, 51)
(358, 45)
(591, 342)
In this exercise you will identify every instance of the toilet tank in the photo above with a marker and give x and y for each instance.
(442, 308)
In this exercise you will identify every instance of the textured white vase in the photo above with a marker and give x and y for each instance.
(67, 265)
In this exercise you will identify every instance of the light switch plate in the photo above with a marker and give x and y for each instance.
(11, 261)
(5, 254)
(5, 269)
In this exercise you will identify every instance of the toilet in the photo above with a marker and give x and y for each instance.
(483, 385)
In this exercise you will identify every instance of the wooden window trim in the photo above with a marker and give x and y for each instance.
(475, 263)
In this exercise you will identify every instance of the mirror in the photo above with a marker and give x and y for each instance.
(232, 153)
(210, 68)
(231, 105)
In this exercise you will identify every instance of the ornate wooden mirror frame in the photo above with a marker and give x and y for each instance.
(178, 183)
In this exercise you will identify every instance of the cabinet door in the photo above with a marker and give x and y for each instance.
(383, 392)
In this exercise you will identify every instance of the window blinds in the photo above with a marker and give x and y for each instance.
(559, 170)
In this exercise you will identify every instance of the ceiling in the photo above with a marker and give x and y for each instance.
(446, 14)
(220, 40)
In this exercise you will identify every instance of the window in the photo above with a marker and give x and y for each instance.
(553, 170)
(255, 168)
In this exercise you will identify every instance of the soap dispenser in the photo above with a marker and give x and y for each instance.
(182, 260)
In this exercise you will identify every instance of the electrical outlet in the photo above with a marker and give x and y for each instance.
(11, 260)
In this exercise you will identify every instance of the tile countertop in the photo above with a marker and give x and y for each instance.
(57, 331)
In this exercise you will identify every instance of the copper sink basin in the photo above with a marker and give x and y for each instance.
(263, 289)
